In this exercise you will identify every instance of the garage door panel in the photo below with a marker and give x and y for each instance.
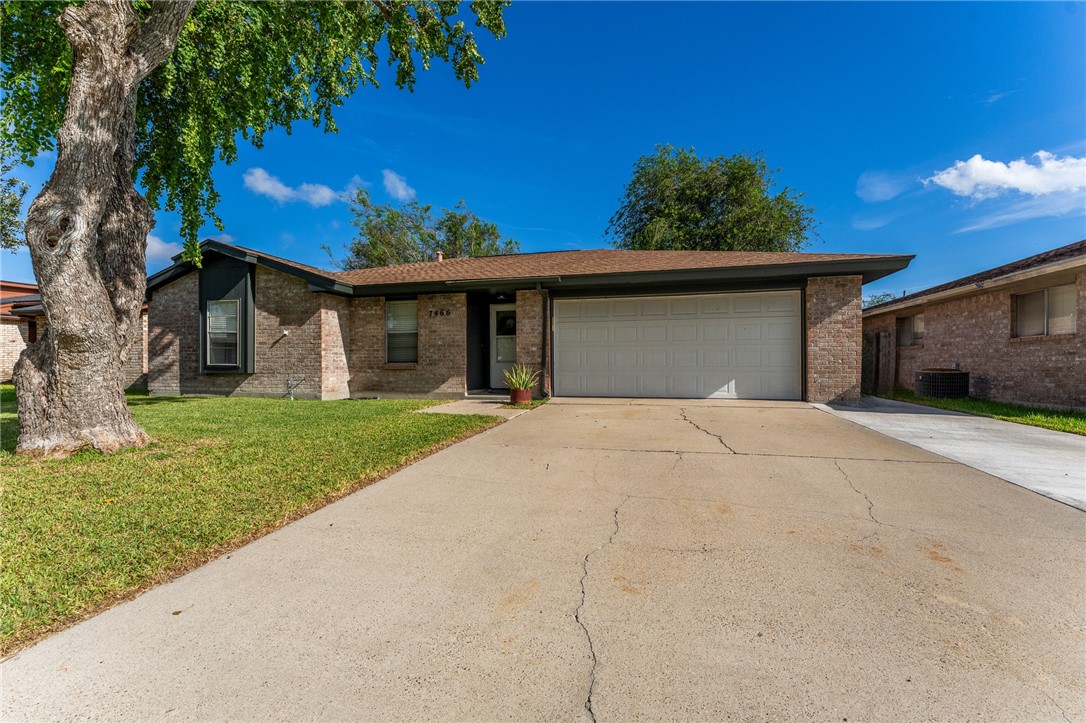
(655, 332)
(713, 345)
(781, 330)
(748, 331)
(714, 332)
(653, 359)
(684, 307)
(684, 332)
(568, 334)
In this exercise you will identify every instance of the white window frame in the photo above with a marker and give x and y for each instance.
(388, 332)
(237, 334)
(1045, 291)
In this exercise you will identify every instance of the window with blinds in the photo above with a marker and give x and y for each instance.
(1046, 312)
(402, 332)
(222, 333)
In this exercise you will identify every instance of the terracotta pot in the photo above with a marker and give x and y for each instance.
(520, 396)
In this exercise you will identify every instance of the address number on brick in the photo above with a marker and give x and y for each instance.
(440, 312)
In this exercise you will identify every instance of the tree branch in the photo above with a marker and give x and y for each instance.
(158, 37)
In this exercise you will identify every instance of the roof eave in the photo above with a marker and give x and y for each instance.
(316, 282)
(979, 287)
(870, 269)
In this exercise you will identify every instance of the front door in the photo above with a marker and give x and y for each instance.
(503, 342)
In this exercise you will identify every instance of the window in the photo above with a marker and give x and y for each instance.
(402, 332)
(222, 333)
(1046, 312)
(910, 330)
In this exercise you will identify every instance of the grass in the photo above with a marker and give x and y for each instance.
(80, 534)
(1061, 420)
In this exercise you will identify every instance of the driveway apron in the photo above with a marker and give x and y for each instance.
(615, 560)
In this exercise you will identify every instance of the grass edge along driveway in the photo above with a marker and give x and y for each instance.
(1060, 420)
(82, 534)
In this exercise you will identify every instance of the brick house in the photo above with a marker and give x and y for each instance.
(1018, 329)
(17, 327)
(22, 320)
(685, 324)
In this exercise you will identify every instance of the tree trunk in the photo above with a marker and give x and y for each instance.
(87, 233)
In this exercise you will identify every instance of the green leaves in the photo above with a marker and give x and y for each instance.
(241, 69)
(389, 235)
(676, 200)
(12, 190)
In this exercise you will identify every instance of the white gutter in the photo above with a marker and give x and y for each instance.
(1013, 278)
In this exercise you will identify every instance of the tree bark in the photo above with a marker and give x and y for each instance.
(87, 234)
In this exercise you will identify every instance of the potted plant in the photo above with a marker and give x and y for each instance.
(520, 380)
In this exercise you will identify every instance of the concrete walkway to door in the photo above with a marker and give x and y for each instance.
(615, 560)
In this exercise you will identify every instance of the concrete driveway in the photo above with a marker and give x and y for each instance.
(615, 561)
(1049, 463)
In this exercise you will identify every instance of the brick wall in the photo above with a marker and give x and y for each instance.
(13, 339)
(833, 338)
(530, 318)
(441, 370)
(976, 333)
(335, 340)
(135, 369)
(283, 304)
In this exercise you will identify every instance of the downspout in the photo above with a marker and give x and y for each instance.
(545, 387)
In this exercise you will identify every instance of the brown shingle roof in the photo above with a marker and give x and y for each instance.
(287, 262)
(1063, 253)
(580, 263)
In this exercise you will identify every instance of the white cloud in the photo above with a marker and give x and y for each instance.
(876, 186)
(223, 237)
(1051, 205)
(263, 183)
(979, 178)
(397, 187)
(159, 250)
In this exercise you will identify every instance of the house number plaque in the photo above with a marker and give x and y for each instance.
(440, 312)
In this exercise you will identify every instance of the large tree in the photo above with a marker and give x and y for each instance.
(12, 191)
(402, 234)
(158, 92)
(677, 200)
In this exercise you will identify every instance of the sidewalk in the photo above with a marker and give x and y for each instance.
(1050, 463)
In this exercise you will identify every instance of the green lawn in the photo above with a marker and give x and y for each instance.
(1061, 420)
(80, 534)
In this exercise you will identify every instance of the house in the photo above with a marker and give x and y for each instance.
(22, 320)
(17, 328)
(1018, 329)
(687, 324)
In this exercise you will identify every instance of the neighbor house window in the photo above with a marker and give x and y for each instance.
(222, 333)
(910, 330)
(1046, 312)
(402, 332)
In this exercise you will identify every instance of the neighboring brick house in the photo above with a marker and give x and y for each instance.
(22, 321)
(1018, 329)
(687, 324)
(17, 328)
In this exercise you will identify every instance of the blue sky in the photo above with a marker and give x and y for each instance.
(953, 132)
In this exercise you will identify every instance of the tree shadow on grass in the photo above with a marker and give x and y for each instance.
(9, 419)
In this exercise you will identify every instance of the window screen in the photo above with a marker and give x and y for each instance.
(1046, 312)
(222, 333)
(402, 332)
(910, 330)
(1061, 309)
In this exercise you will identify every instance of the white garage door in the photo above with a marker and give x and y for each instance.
(726, 346)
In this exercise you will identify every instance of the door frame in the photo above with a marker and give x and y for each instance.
(495, 367)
